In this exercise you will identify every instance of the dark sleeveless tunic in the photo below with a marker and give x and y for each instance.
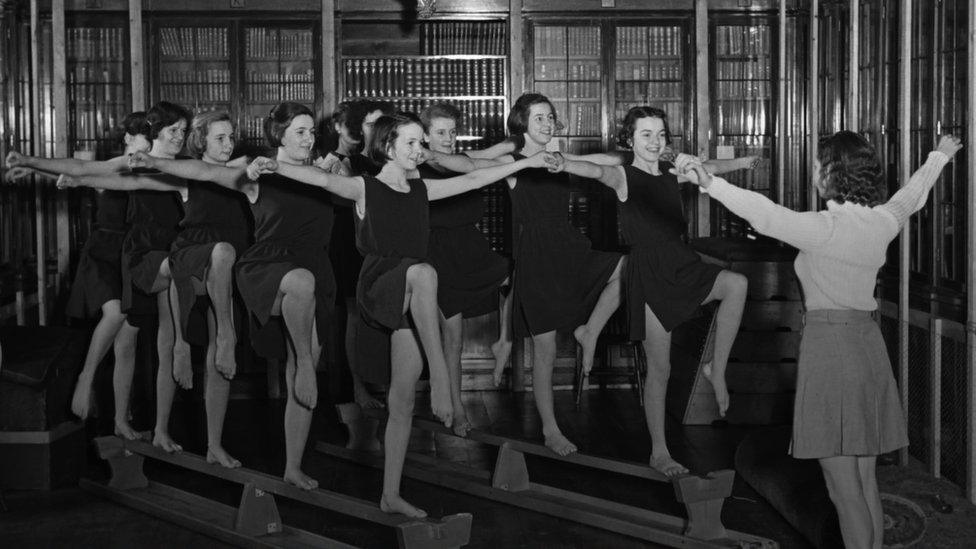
(392, 236)
(98, 278)
(469, 274)
(213, 214)
(292, 227)
(346, 259)
(154, 218)
(558, 276)
(662, 270)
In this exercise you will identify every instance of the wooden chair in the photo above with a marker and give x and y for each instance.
(615, 335)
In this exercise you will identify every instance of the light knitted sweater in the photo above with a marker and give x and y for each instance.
(842, 247)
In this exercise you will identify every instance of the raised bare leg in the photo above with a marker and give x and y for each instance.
(407, 365)
(502, 349)
(125, 361)
(220, 288)
(730, 288)
(844, 486)
(216, 394)
(182, 361)
(421, 301)
(297, 291)
(298, 419)
(165, 383)
(105, 332)
(657, 349)
(587, 334)
(543, 358)
(452, 332)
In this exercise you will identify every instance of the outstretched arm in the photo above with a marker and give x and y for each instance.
(611, 176)
(716, 167)
(602, 159)
(444, 188)
(68, 166)
(910, 198)
(351, 188)
(191, 168)
(124, 182)
(803, 230)
(503, 148)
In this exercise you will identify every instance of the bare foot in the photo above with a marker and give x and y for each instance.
(721, 391)
(461, 423)
(306, 389)
(297, 478)
(363, 398)
(559, 444)
(501, 351)
(667, 466)
(396, 504)
(587, 342)
(440, 401)
(163, 440)
(124, 430)
(226, 360)
(219, 455)
(182, 366)
(81, 401)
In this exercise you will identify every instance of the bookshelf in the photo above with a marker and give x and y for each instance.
(97, 87)
(194, 66)
(464, 63)
(742, 82)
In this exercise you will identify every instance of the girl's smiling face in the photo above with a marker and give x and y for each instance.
(442, 135)
(541, 124)
(220, 142)
(169, 141)
(649, 139)
(407, 147)
(298, 139)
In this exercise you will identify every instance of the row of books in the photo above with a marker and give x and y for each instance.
(95, 91)
(579, 118)
(275, 43)
(575, 70)
(106, 44)
(637, 70)
(464, 38)
(94, 119)
(746, 40)
(649, 92)
(194, 92)
(108, 74)
(301, 92)
(570, 90)
(481, 117)
(760, 69)
(399, 77)
(495, 223)
(193, 42)
(651, 41)
(673, 110)
(743, 117)
(205, 76)
(572, 41)
(747, 89)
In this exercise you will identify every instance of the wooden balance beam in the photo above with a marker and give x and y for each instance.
(509, 483)
(255, 522)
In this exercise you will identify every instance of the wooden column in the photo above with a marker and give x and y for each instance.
(329, 97)
(935, 396)
(853, 75)
(137, 62)
(516, 42)
(814, 101)
(904, 170)
(781, 102)
(970, 152)
(59, 87)
(702, 108)
(36, 133)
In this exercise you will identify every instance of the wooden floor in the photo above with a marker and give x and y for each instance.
(609, 423)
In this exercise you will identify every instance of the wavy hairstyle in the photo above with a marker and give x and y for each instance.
(280, 118)
(440, 110)
(518, 118)
(850, 170)
(385, 132)
(626, 133)
(196, 140)
(135, 123)
(165, 114)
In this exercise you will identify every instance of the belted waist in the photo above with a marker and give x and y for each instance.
(837, 316)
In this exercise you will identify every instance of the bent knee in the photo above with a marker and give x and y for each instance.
(299, 282)
(422, 275)
(735, 283)
(223, 253)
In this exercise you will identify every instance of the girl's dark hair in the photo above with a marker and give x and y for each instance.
(349, 114)
(518, 117)
(440, 110)
(280, 118)
(626, 134)
(850, 170)
(165, 114)
(196, 140)
(385, 132)
(135, 123)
